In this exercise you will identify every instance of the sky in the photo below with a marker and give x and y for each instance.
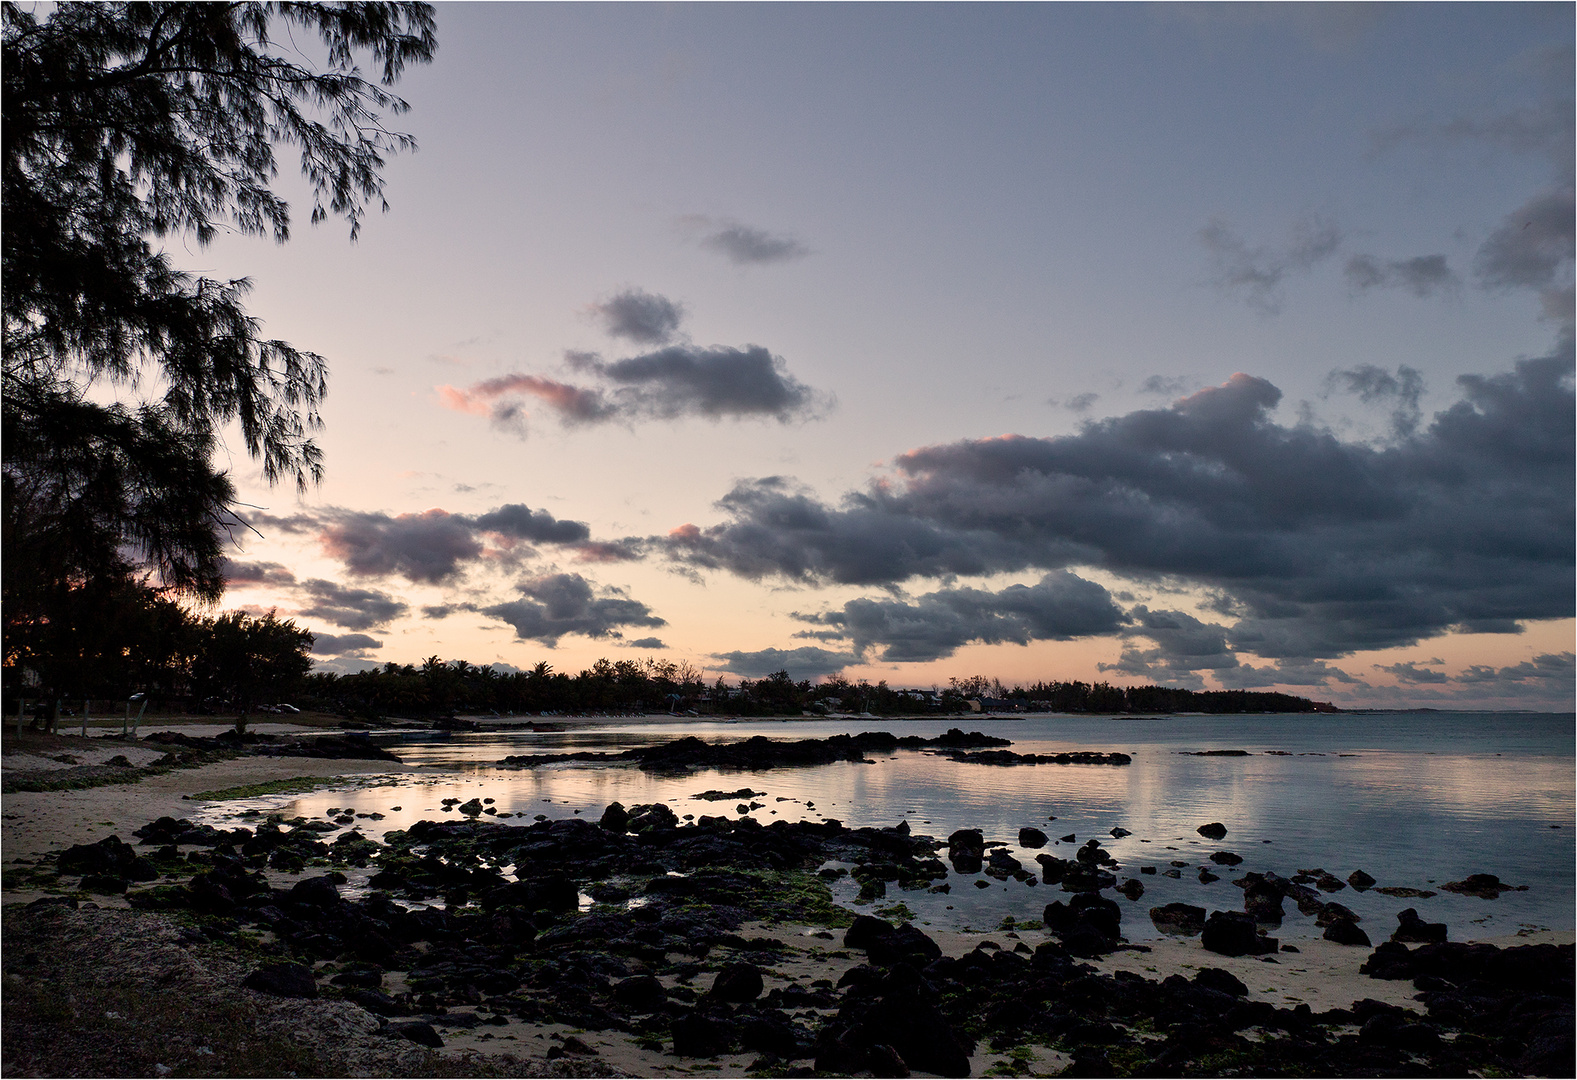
(1215, 347)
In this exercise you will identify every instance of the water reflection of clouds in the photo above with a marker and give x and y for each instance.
(1413, 806)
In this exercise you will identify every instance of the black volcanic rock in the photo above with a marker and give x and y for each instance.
(1182, 919)
(1412, 928)
(1234, 933)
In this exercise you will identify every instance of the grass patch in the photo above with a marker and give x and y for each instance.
(896, 911)
(92, 776)
(295, 785)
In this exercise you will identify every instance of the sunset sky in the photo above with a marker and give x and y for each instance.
(1217, 347)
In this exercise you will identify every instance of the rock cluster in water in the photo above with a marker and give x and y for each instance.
(760, 752)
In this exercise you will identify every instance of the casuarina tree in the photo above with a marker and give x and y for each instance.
(127, 126)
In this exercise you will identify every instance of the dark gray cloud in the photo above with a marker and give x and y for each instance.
(1422, 275)
(1532, 247)
(430, 547)
(747, 246)
(1557, 670)
(1183, 646)
(1321, 546)
(1410, 672)
(520, 522)
(242, 574)
(1290, 672)
(355, 609)
(1375, 385)
(716, 382)
(343, 644)
(554, 605)
(646, 643)
(639, 316)
(807, 662)
(1256, 272)
(1060, 607)
(426, 547)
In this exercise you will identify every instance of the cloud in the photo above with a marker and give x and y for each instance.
(520, 522)
(646, 643)
(1060, 607)
(714, 382)
(554, 605)
(427, 547)
(743, 245)
(1290, 672)
(626, 549)
(1422, 275)
(245, 574)
(1410, 672)
(1167, 386)
(1077, 403)
(1559, 668)
(1257, 272)
(1540, 127)
(498, 400)
(1376, 385)
(1322, 547)
(355, 609)
(718, 382)
(343, 644)
(807, 662)
(1183, 646)
(642, 317)
(430, 547)
(1532, 248)
(345, 665)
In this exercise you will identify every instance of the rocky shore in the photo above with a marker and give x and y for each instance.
(642, 945)
(759, 753)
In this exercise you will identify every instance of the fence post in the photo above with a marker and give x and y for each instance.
(85, 704)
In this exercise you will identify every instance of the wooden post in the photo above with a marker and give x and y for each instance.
(85, 705)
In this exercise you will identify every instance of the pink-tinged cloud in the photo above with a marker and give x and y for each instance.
(488, 398)
(606, 551)
(462, 401)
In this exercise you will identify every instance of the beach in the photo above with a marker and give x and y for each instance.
(804, 965)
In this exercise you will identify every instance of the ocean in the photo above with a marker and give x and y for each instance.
(1413, 799)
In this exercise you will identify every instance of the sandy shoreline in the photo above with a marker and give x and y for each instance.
(35, 822)
(1322, 974)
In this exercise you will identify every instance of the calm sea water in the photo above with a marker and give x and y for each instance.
(1414, 799)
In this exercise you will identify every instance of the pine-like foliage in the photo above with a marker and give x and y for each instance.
(125, 126)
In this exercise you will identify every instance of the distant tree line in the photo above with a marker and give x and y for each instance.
(110, 637)
(437, 688)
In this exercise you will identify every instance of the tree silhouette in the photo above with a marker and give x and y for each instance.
(125, 124)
